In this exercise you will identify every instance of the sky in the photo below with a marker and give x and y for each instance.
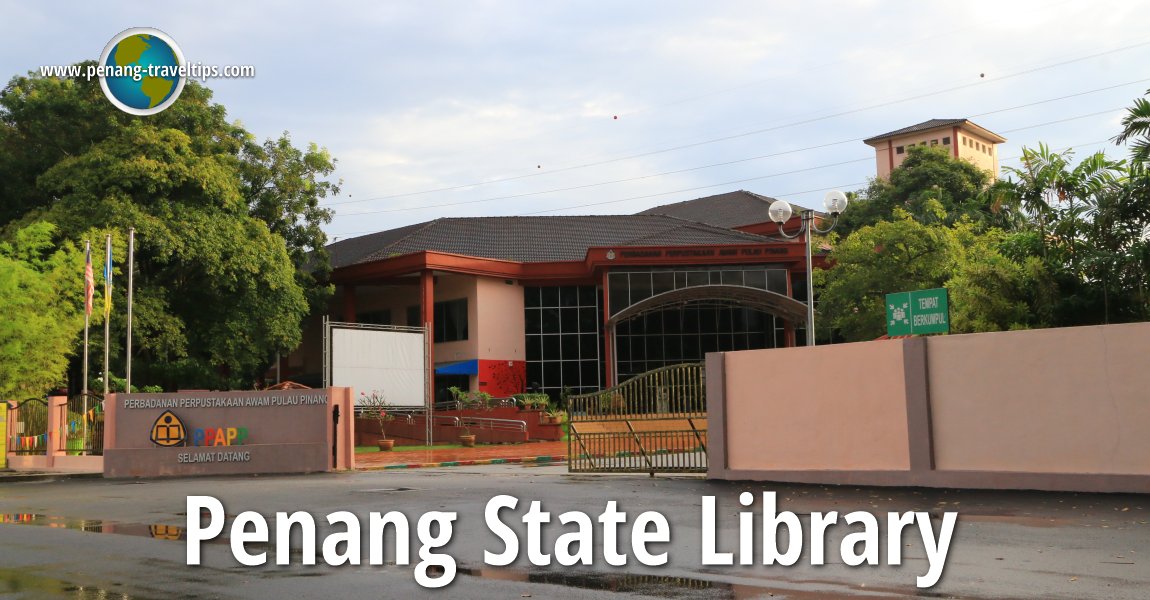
(452, 108)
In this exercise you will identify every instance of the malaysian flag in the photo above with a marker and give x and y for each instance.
(89, 282)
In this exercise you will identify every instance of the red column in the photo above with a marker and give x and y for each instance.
(890, 153)
(427, 317)
(608, 360)
(788, 333)
(954, 141)
(349, 304)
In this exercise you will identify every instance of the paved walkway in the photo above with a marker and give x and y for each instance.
(448, 457)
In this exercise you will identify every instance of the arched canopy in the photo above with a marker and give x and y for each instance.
(771, 302)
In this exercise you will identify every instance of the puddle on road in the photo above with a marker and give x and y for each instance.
(157, 531)
(648, 585)
(24, 583)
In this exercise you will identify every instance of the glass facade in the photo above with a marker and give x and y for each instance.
(563, 327)
(564, 334)
(629, 286)
(686, 333)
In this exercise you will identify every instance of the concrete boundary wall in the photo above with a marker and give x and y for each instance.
(1055, 409)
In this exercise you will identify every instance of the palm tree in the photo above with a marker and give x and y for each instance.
(1136, 127)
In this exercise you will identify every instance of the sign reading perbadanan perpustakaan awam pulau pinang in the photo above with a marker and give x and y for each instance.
(577, 543)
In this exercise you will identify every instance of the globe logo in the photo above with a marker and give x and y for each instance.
(142, 71)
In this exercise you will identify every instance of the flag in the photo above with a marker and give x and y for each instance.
(89, 282)
(108, 281)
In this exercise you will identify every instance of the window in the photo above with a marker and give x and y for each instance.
(966, 141)
(934, 142)
(946, 141)
(451, 320)
(562, 326)
(413, 316)
(899, 150)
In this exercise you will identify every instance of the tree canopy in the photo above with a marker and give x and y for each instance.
(222, 220)
(1057, 242)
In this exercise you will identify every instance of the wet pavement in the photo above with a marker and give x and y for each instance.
(89, 538)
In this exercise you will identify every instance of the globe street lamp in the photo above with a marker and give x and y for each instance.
(780, 212)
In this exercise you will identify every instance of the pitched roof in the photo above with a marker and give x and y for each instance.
(936, 124)
(533, 239)
(733, 209)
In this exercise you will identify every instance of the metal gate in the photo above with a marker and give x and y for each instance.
(81, 423)
(28, 427)
(655, 422)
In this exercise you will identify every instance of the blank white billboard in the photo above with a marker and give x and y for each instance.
(390, 362)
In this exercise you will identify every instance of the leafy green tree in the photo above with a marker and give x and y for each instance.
(930, 185)
(224, 225)
(887, 257)
(41, 310)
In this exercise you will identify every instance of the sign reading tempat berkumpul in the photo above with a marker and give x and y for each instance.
(227, 433)
(919, 312)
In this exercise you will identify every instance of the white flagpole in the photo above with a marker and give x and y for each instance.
(107, 310)
(131, 262)
(88, 255)
(87, 318)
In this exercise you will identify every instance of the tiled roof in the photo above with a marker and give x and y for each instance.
(733, 209)
(924, 126)
(533, 239)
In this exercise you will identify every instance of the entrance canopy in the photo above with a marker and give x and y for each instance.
(771, 302)
(464, 367)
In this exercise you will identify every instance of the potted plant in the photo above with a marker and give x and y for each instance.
(380, 409)
(466, 439)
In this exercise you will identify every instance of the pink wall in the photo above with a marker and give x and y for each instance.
(854, 418)
(499, 320)
(1053, 400)
(1055, 409)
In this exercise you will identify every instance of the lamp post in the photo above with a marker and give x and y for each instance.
(780, 212)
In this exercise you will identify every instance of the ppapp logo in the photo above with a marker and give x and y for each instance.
(168, 430)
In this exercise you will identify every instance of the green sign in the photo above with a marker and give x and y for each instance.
(924, 311)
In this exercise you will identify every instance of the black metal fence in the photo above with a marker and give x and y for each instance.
(655, 422)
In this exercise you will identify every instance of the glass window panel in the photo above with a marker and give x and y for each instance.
(588, 345)
(569, 320)
(534, 347)
(588, 295)
(551, 347)
(589, 373)
(715, 277)
(662, 281)
(550, 320)
(732, 278)
(534, 374)
(552, 375)
(568, 296)
(777, 281)
(588, 319)
(697, 278)
(673, 348)
(690, 319)
(692, 352)
(680, 280)
(640, 286)
(756, 279)
(654, 348)
(531, 321)
(623, 347)
(530, 297)
(569, 345)
(638, 348)
(672, 321)
(549, 296)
